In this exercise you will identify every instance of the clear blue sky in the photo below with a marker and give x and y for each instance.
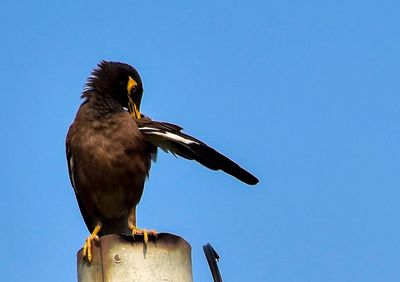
(304, 94)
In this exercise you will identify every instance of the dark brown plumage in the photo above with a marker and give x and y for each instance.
(110, 146)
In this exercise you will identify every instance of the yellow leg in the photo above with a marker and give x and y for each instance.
(87, 248)
(144, 232)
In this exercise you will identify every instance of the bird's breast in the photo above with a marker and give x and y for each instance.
(111, 162)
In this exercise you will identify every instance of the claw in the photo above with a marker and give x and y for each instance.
(144, 232)
(87, 247)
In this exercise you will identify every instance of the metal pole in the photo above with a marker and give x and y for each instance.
(212, 259)
(120, 258)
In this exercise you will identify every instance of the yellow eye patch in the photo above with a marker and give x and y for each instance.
(131, 84)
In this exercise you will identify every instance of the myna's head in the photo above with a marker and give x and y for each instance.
(120, 82)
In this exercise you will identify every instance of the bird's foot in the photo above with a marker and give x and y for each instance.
(144, 232)
(87, 248)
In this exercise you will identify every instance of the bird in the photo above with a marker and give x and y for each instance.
(110, 146)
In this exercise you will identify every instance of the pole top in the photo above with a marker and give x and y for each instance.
(122, 258)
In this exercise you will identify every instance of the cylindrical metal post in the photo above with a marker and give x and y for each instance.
(120, 258)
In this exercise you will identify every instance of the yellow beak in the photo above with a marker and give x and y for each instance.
(133, 108)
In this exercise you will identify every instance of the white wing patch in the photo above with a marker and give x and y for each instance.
(168, 135)
(71, 168)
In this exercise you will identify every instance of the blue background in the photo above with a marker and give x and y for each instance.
(305, 94)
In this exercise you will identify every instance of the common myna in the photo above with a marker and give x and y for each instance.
(110, 146)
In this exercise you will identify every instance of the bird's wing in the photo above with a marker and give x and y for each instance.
(70, 162)
(169, 138)
(71, 169)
